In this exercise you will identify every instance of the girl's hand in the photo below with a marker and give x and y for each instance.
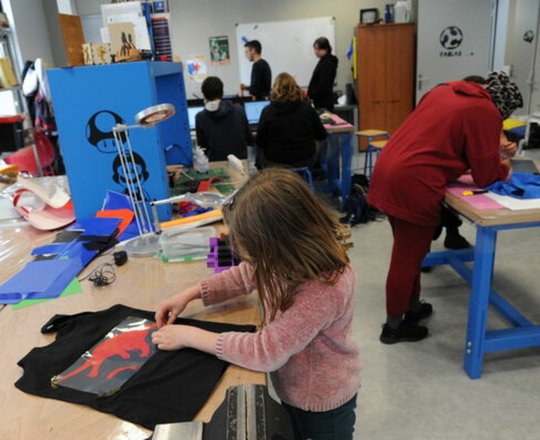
(175, 337)
(169, 309)
(171, 337)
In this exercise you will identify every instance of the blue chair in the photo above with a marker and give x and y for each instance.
(305, 172)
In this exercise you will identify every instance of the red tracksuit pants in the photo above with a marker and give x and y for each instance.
(411, 244)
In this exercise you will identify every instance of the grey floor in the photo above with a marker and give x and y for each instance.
(417, 391)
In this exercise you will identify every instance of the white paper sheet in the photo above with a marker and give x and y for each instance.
(515, 204)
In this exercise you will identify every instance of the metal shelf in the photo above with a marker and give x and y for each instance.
(10, 89)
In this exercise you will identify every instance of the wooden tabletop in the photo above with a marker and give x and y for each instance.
(141, 283)
(492, 217)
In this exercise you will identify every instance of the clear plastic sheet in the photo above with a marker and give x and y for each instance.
(104, 368)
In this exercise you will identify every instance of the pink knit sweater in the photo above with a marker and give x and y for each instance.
(308, 350)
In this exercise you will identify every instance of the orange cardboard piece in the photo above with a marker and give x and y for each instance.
(126, 215)
(195, 220)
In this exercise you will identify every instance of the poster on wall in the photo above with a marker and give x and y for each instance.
(196, 68)
(219, 50)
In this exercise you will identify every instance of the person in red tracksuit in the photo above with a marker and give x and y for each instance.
(454, 128)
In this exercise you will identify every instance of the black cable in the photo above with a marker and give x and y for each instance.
(102, 275)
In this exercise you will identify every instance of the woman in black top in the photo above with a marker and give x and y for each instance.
(320, 88)
(289, 127)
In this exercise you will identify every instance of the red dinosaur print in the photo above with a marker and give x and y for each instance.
(119, 345)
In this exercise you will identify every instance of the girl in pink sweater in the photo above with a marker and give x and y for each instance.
(294, 254)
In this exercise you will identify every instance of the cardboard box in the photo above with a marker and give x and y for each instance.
(7, 75)
(97, 53)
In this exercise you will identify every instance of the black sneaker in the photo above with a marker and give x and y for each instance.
(404, 333)
(456, 241)
(424, 310)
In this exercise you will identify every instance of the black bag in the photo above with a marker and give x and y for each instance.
(356, 208)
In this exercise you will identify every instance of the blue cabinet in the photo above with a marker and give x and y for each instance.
(89, 101)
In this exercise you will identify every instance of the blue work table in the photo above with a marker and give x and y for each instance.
(521, 333)
(339, 157)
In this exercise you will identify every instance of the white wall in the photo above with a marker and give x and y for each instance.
(193, 21)
(31, 29)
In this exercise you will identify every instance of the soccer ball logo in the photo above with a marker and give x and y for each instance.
(451, 37)
(528, 36)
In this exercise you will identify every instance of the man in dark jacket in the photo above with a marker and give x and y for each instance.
(320, 88)
(261, 75)
(222, 127)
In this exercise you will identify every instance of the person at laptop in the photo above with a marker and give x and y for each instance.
(289, 127)
(261, 74)
(222, 127)
(321, 86)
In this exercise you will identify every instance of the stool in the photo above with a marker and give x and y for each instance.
(371, 135)
(305, 172)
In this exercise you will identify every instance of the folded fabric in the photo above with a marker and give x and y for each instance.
(520, 186)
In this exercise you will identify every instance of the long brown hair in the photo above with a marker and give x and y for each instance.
(287, 234)
(285, 89)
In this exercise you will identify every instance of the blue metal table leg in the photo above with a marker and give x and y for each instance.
(331, 163)
(346, 164)
(484, 258)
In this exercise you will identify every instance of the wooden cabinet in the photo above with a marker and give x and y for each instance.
(385, 84)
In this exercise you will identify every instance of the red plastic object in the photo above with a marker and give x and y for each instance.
(11, 119)
(26, 160)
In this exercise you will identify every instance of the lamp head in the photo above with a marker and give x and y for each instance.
(154, 115)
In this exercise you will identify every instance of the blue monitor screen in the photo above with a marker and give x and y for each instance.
(192, 111)
(254, 110)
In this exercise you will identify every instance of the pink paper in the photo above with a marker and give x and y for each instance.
(339, 122)
(479, 201)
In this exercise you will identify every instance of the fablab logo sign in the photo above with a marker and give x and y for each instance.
(450, 39)
(528, 36)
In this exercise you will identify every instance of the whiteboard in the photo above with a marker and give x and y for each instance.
(286, 45)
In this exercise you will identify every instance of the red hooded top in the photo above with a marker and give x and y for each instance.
(454, 128)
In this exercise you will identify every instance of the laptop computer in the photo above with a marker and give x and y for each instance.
(192, 111)
(254, 110)
(524, 166)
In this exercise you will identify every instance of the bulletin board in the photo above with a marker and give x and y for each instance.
(287, 45)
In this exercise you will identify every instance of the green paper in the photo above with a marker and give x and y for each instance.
(73, 288)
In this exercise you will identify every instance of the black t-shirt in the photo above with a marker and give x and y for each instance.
(261, 80)
(287, 132)
(170, 387)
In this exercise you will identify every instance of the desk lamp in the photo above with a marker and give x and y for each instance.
(147, 243)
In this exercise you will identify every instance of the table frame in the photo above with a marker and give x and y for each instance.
(479, 341)
(339, 166)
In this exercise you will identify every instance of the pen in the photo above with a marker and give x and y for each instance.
(474, 192)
